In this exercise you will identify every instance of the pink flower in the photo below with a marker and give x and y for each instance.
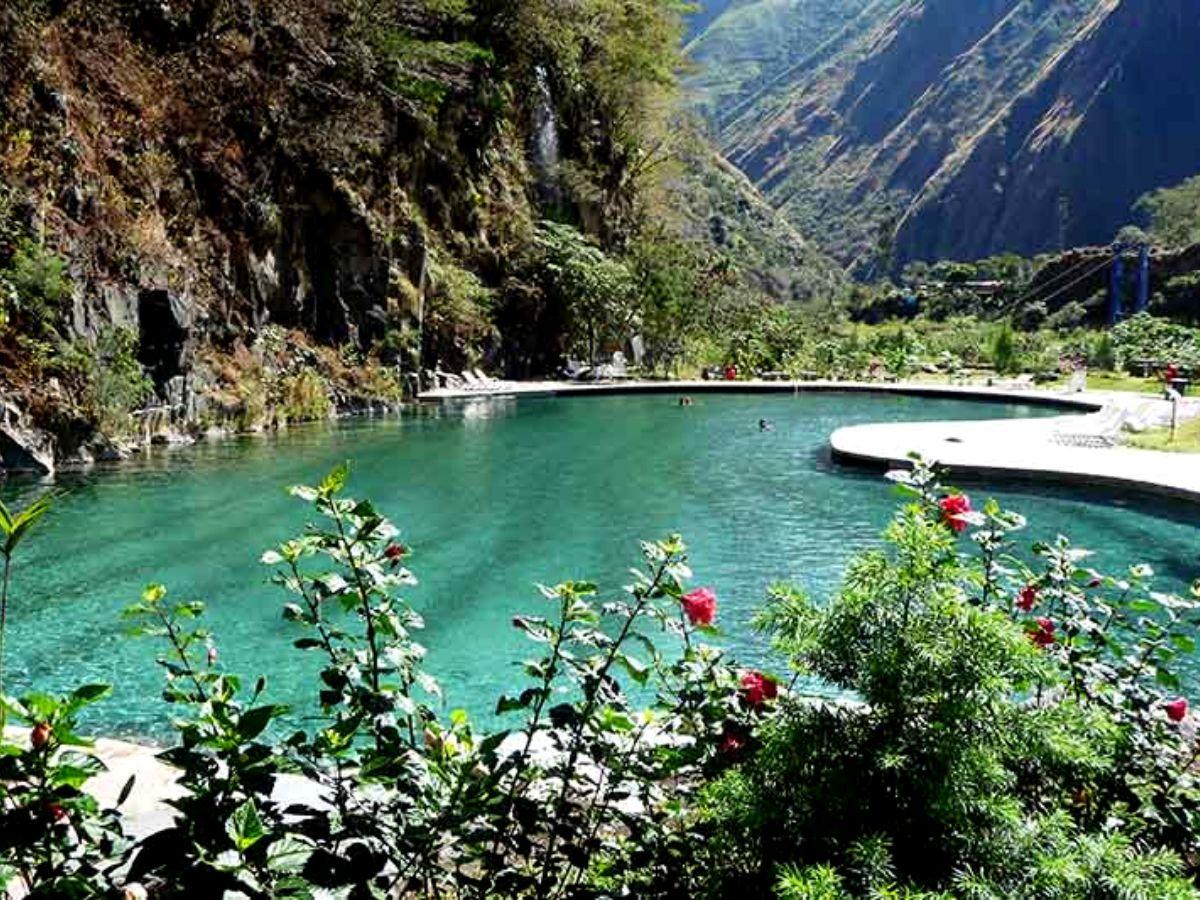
(1027, 598)
(954, 511)
(758, 688)
(700, 606)
(1177, 710)
(212, 656)
(1043, 635)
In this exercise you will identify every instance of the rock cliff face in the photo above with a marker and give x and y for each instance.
(931, 129)
(214, 175)
(247, 186)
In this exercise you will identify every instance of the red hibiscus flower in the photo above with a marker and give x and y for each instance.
(40, 736)
(700, 606)
(1027, 598)
(1043, 635)
(395, 552)
(56, 812)
(758, 688)
(954, 511)
(733, 742)
(1177, 710)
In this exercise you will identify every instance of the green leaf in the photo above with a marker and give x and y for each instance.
(91, 693)
(288, 854)
(335, 481)
(637, 670)
(126, 791)
(508, 704)
(154, 593)
(1167, 679)
(245, 827)
(1184, 642)
(253, 722)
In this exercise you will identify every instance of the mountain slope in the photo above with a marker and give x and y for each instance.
(718, 205)
(745, 48)
(962, 129)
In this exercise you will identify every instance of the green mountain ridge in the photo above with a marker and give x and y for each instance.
(925, 129)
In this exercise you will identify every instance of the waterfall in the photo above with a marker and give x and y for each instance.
(545, 149)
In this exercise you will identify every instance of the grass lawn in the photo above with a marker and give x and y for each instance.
(1119, 381)
(1187, 439)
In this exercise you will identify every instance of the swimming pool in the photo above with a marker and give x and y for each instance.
(495, 496)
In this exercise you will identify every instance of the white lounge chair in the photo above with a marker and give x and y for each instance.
(471, 381)
(1101, 429)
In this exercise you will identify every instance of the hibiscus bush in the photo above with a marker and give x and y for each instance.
(1004, 726)
(962, 719)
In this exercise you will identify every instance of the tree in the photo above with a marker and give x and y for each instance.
(1173, 214)
(597, 291)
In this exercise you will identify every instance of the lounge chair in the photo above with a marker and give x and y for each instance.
(471, 381)
(1101, 429)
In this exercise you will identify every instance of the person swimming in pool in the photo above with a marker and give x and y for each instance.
(766, 425)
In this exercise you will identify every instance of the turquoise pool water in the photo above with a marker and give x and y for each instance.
(494, 496)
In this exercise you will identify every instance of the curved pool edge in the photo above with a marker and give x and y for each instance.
(1032, 397)
(1022, 449)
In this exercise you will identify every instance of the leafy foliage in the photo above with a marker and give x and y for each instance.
(1174, 214)
(106, 379)
(37, 288)
(961, 720)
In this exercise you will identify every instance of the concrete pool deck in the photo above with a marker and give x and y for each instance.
(1012, 448)
(1021, 448)
(1084, 401)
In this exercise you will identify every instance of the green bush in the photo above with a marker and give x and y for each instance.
(39, 288)
(1103, 353)
(304, 397)
(107, 381)
(1002, 349)
(993, 725)
(960, 723)
(1144, 337)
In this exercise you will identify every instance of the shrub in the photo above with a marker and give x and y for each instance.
(1145, 337)
(39, 286)
(1002, 349)
(968, 725)
(304, 397)
(1002, 731)
(107, 381)
(1103, 354)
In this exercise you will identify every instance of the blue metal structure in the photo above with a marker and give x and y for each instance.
(1116, 284)
(1143, 297)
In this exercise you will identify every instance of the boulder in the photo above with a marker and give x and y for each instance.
(22, 447)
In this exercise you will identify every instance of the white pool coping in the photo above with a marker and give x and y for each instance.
(1084, 401)
(1011, 448)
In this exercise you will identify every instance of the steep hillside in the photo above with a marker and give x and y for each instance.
(249, 212)
(741, 52)
(717, 205)
(936, 128)
(705, 13)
